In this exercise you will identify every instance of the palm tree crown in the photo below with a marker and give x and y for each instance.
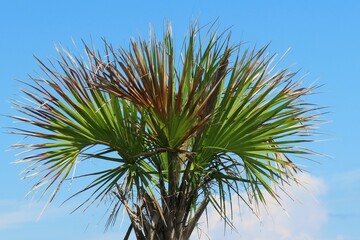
(183, 133)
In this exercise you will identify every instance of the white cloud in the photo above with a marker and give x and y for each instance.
(340, 237)
(13, 213)
(17, 216)
(303, 218)
(104, 236)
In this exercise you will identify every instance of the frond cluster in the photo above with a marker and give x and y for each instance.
(182, 132)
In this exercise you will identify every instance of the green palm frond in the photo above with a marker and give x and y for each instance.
(75, 117)
(181, 132)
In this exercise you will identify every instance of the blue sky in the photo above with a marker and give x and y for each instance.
(324, 39)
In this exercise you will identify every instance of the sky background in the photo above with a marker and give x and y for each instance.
(324, 38)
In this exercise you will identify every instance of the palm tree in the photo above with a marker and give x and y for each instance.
(182, 133)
